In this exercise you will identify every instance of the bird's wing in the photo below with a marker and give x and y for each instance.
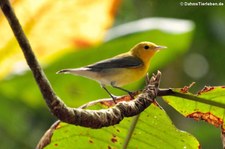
(116, 62)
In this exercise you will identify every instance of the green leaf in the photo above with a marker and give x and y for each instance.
(207, 105)
(154, 129)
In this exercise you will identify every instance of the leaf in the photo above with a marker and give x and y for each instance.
(154, 129)
(211, 111)
(17, 121)
(54, 27)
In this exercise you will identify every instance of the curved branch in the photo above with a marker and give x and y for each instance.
(37, 71)
(76, 116)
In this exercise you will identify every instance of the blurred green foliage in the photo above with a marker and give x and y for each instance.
(209, 37)
(25, 117)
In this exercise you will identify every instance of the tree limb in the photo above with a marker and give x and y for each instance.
(76, 116)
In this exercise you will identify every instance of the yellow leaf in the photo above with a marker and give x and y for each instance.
(53, 28)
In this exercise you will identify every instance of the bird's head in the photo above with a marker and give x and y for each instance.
(145, 50)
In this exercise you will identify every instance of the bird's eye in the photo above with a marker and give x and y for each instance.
(146, 47)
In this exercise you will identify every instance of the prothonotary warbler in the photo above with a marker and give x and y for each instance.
(121, 69)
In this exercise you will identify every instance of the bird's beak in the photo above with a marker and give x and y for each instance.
(160, 47)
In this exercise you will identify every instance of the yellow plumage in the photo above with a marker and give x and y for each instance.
(121, 69)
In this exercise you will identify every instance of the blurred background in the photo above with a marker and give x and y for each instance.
(62, 38)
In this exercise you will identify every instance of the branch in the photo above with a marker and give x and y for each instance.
(109, 102)
(38, 73)
(170, 92)
(161, 92)
(76, 116)
(82, 117)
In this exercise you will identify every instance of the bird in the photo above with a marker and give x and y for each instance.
(119, 70)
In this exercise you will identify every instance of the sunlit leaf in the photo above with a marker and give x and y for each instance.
(201, 111)
(53, 27)
(154, 129)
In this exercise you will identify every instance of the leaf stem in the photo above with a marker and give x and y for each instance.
(170, 92)
(130, 131)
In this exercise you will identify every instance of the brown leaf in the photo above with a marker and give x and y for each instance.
(46, 138)
(206, 89)
(208, 117)
(185, 89)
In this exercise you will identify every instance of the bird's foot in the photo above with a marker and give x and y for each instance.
(157, 104)
(131, 95)
(114, 98)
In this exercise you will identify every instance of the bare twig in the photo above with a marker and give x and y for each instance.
(171, 92)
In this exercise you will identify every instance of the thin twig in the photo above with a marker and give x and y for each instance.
(165, 92)
(130, 131)
(171, 92)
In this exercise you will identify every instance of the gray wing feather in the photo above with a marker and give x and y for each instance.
(116, 62)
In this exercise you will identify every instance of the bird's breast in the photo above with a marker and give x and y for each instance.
(122, 76)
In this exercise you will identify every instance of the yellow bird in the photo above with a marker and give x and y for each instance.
(121, 69)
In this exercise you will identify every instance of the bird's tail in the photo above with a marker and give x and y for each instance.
(64, 71)
(76, 71)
